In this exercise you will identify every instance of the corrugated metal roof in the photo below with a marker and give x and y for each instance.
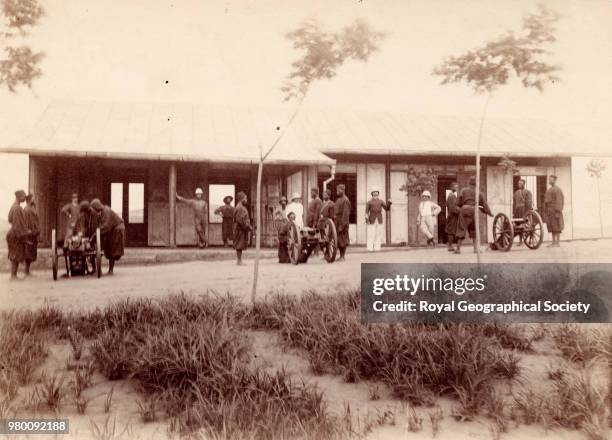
(191, 132)
(403, 133)
(164, 131)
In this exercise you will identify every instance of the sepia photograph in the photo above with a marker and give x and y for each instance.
(306, 219)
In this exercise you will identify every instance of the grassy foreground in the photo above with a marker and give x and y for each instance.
(192, 361)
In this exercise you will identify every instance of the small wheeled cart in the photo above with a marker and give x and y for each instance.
(82, 255)
(530, 228)
(301, 243)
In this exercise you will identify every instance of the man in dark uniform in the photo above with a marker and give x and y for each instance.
(523, 200)
(343, 211)
(283, 234)
(71, 212)
(85, 224)
(17, 234)
(227, 213)
(452, 212)
(374, 220)
(31, 245)
(328, 208)
(242, 226)
(200, 215)
(314, 209)
(112, 233)
(466, 201)
(553, 210)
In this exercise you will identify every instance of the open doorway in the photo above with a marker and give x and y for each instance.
(126, 194)
(444, 188)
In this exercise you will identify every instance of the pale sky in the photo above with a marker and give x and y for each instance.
(235, 53)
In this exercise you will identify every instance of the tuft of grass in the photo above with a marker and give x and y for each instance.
(108, 401)
(418, 362)
(51, 391)
(577, 403)
(435, 418)
(8, 385)
(82, 378)
(374, 392)
(77, 344)
(147, 410)
(107, 430)
(574, 402)
(582, 344)
(23, 348)
(80, 403)
(414, 423)
(112, 352)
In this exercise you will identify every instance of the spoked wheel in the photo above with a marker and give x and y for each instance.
(294, 246)
(98, 254)
(503, 232)
(533, 230)
(54, 253)
(330, 238)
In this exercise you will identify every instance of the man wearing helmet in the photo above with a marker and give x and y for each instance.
(200, 215)
(298, 209)
(426, 218)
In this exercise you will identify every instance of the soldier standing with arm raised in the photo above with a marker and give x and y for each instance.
(200, 215)
(374, 220)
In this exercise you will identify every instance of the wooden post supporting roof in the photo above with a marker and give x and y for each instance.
(172, 203)
(388, 197)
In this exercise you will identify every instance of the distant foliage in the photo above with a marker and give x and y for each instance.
(596, 167)
(20, 13)
(419, 180)
(21, 64)
(508, 165)
(487, 67)
(324, 52)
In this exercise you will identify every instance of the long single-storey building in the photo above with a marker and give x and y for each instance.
(137, 156)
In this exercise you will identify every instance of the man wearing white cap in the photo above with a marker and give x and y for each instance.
(298, 209)
(200, 216)
(427, 216)
(374, 220)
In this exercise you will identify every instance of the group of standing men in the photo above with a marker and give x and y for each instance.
(82, 220)
(318, 210)
(460, 211)
(22, 237)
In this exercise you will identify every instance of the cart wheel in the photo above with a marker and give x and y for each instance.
(503, 232)
(533, 230)
(98, 254)
(54, 253)
(294, 245)
(330, 238)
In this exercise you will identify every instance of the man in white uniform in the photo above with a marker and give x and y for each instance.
(298, 209)
(427, 217)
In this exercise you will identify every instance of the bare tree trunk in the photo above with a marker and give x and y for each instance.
(262, 158)
(476, 208)
(257, 230)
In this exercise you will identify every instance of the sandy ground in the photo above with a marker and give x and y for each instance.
(224, 276)
(271, 354)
